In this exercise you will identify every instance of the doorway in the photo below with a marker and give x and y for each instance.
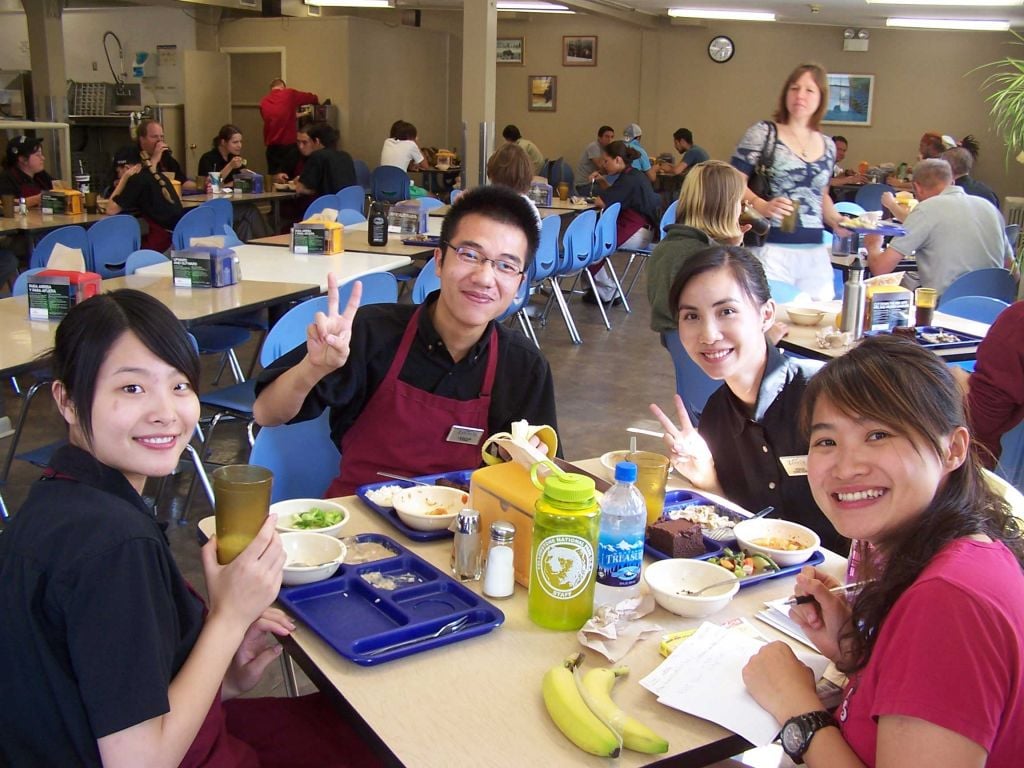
(252, 69)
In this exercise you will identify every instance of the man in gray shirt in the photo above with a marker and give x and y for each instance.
(691, 153)
(587, 164)
(950, 232)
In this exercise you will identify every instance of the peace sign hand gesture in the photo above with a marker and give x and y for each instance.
(329, 335)
(688, 451)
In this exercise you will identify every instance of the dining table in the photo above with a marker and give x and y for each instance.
(356, 240)
(557, 208)
(478, 701)
(274, 197)
(36, 221)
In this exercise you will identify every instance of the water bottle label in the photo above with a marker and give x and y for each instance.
(619, 559)
(563, 566)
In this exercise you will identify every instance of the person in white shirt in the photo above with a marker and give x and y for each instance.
(401, 149)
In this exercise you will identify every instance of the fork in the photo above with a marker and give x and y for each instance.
(448, 629)
(727, 534)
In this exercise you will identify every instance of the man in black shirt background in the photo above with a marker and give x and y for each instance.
(327, 169)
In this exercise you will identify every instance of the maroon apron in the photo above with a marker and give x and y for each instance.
(405, 429)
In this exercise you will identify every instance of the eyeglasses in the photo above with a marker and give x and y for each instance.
(467, 255)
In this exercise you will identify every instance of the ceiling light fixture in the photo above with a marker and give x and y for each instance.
(1002, 3)
(714, 13)
(977, 25)
(353, 3)
(532, 6)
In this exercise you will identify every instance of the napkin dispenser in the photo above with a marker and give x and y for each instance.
(407, 218)
(247, 181)
(541, 194)
(318, 237)
(888, 306)
(505, 492)
(65, 201)
(205, 267)
(52, 292)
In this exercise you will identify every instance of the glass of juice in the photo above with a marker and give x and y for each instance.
(651, 478)
(925, 300)
(242, 495)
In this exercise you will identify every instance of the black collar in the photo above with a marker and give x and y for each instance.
(776, 375)
(74, 463)
(435, 344)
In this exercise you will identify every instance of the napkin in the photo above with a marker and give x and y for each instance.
(326, 216)
(614, 629)
(207, 241)
(62, 257)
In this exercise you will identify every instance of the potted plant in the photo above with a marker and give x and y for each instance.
(1007, 100)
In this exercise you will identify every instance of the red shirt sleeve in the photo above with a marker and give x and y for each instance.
(996, 399)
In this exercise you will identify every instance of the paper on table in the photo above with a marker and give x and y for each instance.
(703, 677)
(777, 616)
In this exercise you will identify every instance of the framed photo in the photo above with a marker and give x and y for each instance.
(542, 93)
(579, 51)
(849, 99)
(510, 50)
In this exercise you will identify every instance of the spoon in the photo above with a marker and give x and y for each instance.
(406, 479)
(697, 592)
(448, 629)
(726, 534)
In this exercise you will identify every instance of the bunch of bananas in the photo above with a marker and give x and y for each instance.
(582, 708)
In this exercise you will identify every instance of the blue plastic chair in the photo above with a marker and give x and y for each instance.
(668, 218)
(454, 195)
(557, 171)
(353, 197)
(869, 197)
(426, 283)
(1011, 458)
(302, 457)
(223, 212)
(852, 209)
(545, 269)
(693, 385)
(994, 282)
(983, 309)
(390, 184)
(349, 217)
(322, 202)
(606, 243)
(70, 237)
(517, 308)
(144, 257)
(198, 222)
(362, 175)
(111, 240)
(429, 203)
(20, 287)
(783, 293)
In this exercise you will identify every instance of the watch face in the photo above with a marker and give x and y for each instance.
(792, 738)
(721, 49)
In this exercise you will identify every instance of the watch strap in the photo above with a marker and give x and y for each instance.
(809, 724)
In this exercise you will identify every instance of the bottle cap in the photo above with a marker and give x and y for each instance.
(625, 472)
(467, 521)
(502, 532)
(569, 487)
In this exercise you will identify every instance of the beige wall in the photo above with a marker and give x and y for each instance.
(664, 80)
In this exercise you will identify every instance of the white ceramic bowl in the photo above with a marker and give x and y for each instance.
(322, 554)
(750, 530)
(429, 507)
(289, 509)
(800, 316)
(666, 579)
(610, 459)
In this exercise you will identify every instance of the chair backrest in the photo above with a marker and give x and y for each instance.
(994, 282)
(111, 240)
(353, 197)
(1012, 236)
(290, 330)
(851, 208)
(980, 308)
(20, 287)
(322, 202)
(455, 193)
(783, 292)
(70, 237)
(426, 283)
(522, 296)
(223, 212)
(347, 216)
(668, 217)
(577, 242)
(869, 197)
(606, 238)
(389, 184)
(362, 175)
(546, 261)
(302, 457)
(558, 171)
(198, 222)
(142, 258)
(429, 203)
(692, 384)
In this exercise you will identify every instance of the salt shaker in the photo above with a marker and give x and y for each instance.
(499, 578)
(467, 561)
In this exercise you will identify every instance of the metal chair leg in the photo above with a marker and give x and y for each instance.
(618, 285)
(22, 418)
(291, 688)
(563, 306)
(600, 304)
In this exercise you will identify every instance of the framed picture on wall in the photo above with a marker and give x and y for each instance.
(849, 99)
(579, 51)
(542, 93)
(510, 50)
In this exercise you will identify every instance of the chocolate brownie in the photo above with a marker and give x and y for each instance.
(676, 538)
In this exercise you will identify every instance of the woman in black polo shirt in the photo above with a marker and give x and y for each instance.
(24, 172)
(748, 440)
(226, 155)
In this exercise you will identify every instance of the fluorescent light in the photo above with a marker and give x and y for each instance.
(714, 13)
(990, 3)
(353, 3)
(979, 25)
(532, 6)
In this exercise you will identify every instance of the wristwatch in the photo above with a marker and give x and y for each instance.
(798, 732)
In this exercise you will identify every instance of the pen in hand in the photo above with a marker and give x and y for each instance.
(804, 599)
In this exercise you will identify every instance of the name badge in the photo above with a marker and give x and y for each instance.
(465, 435)
(795, 466)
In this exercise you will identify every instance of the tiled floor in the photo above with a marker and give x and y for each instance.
(602, 386)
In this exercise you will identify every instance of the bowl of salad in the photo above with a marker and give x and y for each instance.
(315, 515)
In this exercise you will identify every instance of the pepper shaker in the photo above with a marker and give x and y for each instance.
(467, 551)
(499, 577)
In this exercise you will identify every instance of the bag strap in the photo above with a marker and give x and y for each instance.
(772, 138)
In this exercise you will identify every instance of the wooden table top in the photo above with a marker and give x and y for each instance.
(36, 221)
(193, 201)
(356, 239)
(441, 211)
(478, 702)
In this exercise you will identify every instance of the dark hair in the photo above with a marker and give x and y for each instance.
(604, 128)
(499, 204)
(820, 78)
(225, 133)
(683, 134)
(896, 382)
(90, 329)
(510, 166)
(972, 145)
(393, 133)
(511, 133)
(322, 132)
(277, 81)
(406, 132)
(744, 266)
(621, 150)
(840, 138)
(931, 145)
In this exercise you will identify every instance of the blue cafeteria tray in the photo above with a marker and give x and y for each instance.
(429, 241)
(816, 559)
(888, 229)
(358, 620)
(460, 476)
(962, 339)
(680, 499)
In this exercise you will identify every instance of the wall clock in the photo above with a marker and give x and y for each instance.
(721, 49)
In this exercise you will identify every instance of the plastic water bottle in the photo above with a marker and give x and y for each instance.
(620, 550)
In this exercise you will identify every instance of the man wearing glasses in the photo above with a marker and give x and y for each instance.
(417, 389)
